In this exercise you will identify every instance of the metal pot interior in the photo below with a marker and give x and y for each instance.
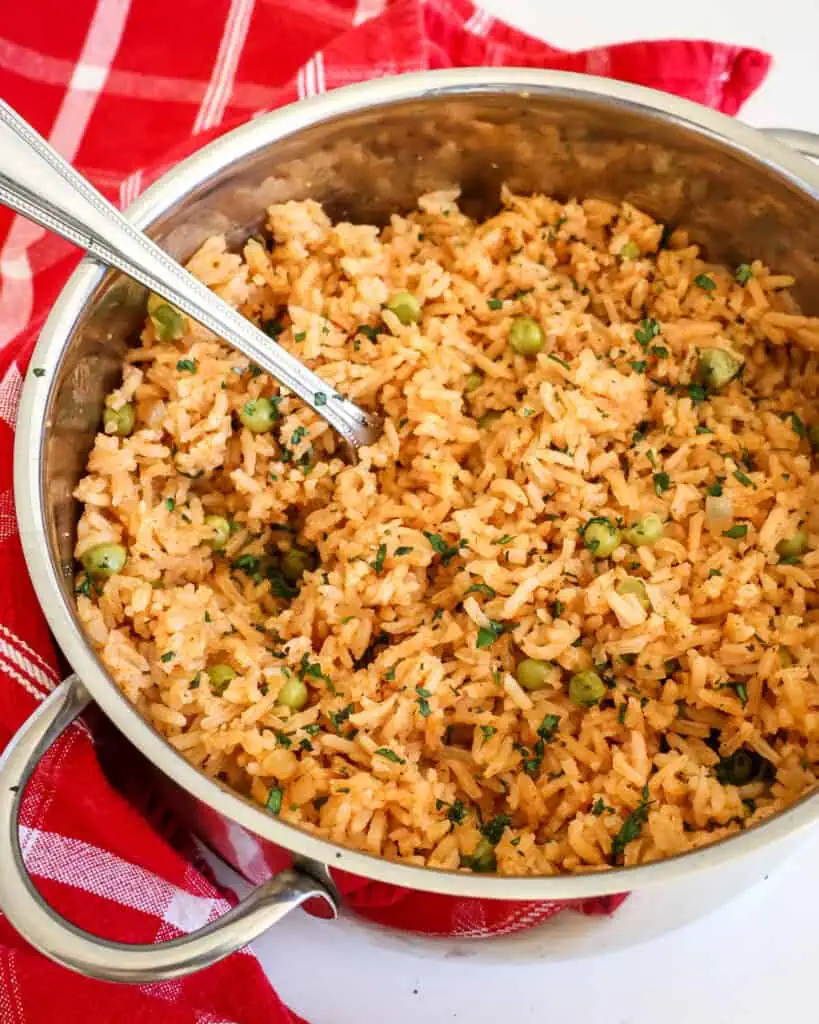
(367, 157)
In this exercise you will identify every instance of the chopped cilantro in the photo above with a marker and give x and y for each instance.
(170, 504)
(639, 366)
(402, 551)
(742, 693)
(283, 739)
(167, 656)
(487, 635)
(743, 274)
(298, 434)
(481, 588)
(188, 365)
(561, 362)
(488, 731)
(547, 730)
(423, 704)
(736, 532)
(274, 801)
(390, 755)
(378, 563)
(662, 482)
(456, 812)
(494, 829)
(798, 426)
(495, 304)
(368, 332)
(440, 546)
(660, 351)
(621, 713)
(746, 481)
(272, 328)
(557, 609)
(505, 539)
(38, 371)
(702, 429)
(338, 717)
(708, 284)
(715, 490)
(631, 827)
(647, 330)
(300, 336)
(714, 572)
(696, 392)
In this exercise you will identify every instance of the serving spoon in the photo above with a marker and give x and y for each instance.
(36, 182)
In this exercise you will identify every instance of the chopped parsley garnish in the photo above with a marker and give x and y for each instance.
(736, 532)
(708, 284)
(38, 371)
(714, 572)
(283, 739)
(300, 336)
(495, 304)
(639, 366)
(402, 551)
(170, 504)
(188, 365)
(631, 827)
(298, 434)
(715, 490)
(696, 392)
(274, 801)
(487, 635)
(746, 481)
(702, 429)
(561, 362)
(647, 330)
(320, 398)
(389, 675)
(599, 807)
(507, 538)
(312, 730)
(743, 274)
(167, 656)
(390, 755)
(378, 563)
(368, 332)
(557, 609)
(488, 731)
(312, 669)
(481, 588)
(440, 546)
(662, 482)
(660, 351)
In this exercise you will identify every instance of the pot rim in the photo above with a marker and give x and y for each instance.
(31, 430)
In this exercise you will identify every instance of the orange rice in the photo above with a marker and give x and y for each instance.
(452, 549)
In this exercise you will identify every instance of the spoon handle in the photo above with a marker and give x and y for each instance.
(36, 182)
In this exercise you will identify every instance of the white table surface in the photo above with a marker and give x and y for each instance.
(753, 960)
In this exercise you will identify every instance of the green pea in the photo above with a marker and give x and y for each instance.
(793, 547)
(813, 436)
(738, 769)
(483, 859)
(220, 675)
(259, 415)
(488, 418)
(630, 585)
(717, 368)
(526, 336)
(169, 323)
(296, 562)
(104, 559)
(293, 694)
(473, 381)
(646, 531)
(119, 422)
(534, 674)
(406, 307)
(601, 536)
(630, 251)
(586, 688)
(221, 531)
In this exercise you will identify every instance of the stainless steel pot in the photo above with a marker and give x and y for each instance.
(364, 152)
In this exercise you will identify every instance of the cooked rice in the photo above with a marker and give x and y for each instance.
(385, 630)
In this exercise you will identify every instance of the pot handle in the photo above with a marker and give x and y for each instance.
(806, 143)
(101, 958)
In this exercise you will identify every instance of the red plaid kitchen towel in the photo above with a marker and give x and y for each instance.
(115, 85)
